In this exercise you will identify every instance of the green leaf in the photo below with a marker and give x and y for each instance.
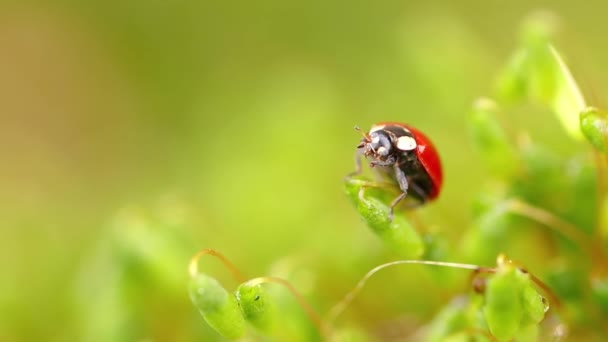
(488, 235)
(537, 185)
(152, 249)
(513, 307)
(538, 27)
(567, 100)
(490, 140)
(449, 321)
(399, 234)
(512, 83)
(459, 321)
(257, 305)
(504, 309)
(594, 125)
(218, 307)
(533, 304)
(537, 72)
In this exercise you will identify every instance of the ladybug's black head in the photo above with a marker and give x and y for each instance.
(386, 145)
(379, 145)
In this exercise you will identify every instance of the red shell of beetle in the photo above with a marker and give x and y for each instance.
(427, 155)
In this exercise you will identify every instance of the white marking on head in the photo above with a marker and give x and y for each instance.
(376, 139)
(377, 128)
(381, 150)
(406, 143)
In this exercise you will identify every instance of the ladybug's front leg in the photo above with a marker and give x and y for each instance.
(358, 167)
(390, 161)
(403, 185)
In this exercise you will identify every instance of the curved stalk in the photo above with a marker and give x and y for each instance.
(339, 308)
(193, 265)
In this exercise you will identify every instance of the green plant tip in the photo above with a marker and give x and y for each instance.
(490, 140)
(539, 26)
(534, 305)
(370, 202)
(219, 308)
(568, 100)
(512, 303)
(257, 306)
(594, 125)
(537, 72)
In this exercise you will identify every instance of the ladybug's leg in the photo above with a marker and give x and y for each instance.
(401, 178)
(358, 167)
(394, 203)
(390, 161)
(403, 185)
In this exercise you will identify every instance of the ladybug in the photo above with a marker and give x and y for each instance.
(405, 156)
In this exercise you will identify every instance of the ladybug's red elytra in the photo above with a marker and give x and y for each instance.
(406, 156)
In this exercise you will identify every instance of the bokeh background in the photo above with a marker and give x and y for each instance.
(158, 128)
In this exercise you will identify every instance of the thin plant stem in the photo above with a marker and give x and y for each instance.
(546, 289)
(550, 220)
(310, 312)
(193, 266)
(341, 306)
(592, 247)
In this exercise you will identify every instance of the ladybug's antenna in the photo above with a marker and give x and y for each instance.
(365, 135)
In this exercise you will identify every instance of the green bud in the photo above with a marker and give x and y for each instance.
(399, 234)
(504, 309)
(218, 307)
(537, 72)
(533, 304)
(552, 84)
(513, 307)
(541, 178)
(538, 28)
(152, 250)
(550, 80)
(488, 235)
(490, 140)
(257, 306)
(512, 82)
(449, 321)
(594, 125)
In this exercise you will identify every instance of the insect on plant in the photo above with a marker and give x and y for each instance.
(506, 301)
(404, 156)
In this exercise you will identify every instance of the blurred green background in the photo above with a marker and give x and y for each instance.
(229, 125)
